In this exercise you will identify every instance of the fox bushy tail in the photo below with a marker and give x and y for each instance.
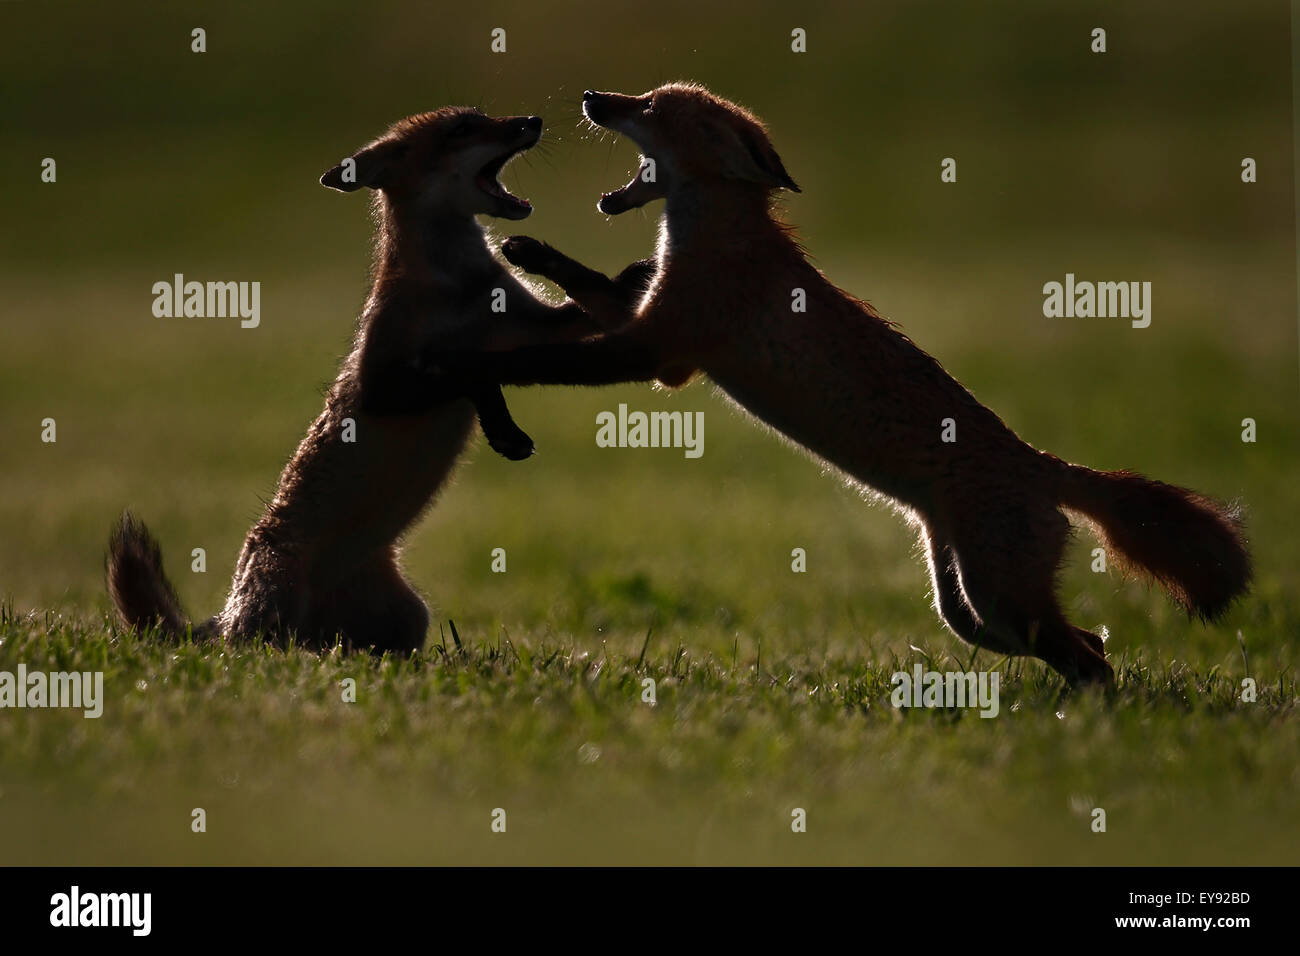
(136, 580)
(1193, 545)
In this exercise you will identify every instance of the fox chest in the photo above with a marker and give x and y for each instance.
(398, 463)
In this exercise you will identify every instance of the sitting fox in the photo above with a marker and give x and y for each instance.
(322, 563)
(853, 390)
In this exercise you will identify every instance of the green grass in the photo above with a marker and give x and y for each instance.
(555, 733)
(772, 687)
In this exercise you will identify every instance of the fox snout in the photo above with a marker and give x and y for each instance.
(687, 135)
(624, 114)
(613, 110)
(527, 128)
(593, 106)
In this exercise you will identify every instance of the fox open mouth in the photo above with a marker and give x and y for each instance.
(642, 189)
(514, 207)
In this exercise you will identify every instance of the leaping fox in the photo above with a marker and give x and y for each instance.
(853, 390)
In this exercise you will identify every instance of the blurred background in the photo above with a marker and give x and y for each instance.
(1117, 166)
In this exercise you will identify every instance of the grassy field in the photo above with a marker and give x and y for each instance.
(626, 564)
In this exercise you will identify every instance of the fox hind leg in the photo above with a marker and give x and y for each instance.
(1006, 569)
(375, 609)
(952, 606)
(1092, 640)
(269, 597)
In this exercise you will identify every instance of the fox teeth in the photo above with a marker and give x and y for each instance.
(492, 187)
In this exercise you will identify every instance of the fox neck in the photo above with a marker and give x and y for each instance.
(430, 245)
(708, 216)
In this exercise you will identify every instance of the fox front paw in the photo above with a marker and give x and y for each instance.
(514, 445)
(529, 254)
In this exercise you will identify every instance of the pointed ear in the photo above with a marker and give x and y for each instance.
(369, 167)
(754, 160)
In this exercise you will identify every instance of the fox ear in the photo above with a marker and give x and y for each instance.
(369, 167)
(756, 161)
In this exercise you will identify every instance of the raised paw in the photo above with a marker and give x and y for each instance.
(529, 254)
(513, 444)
